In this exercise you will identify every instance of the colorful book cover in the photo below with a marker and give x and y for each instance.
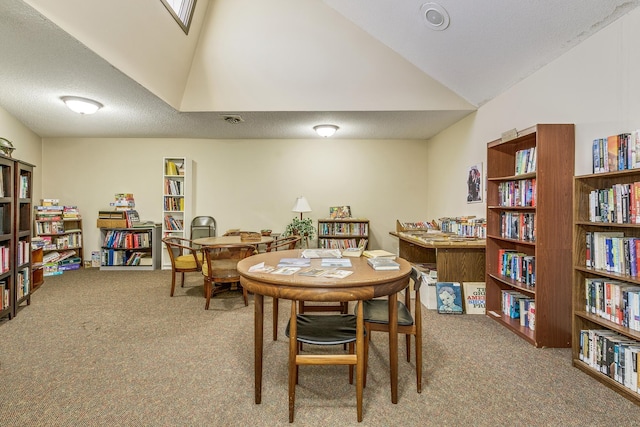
(449, 297)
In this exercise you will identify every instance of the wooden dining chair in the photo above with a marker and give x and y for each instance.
(280, 244)
(327, 329)
(185, 258)
(376, 318)
(220, 268)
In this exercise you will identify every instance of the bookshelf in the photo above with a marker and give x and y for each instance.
(529, 233)
(342, 233)
(589, 244)
(58, 231)
(130, 249)
(37, 269)
(177, 201)
(6, 237)
(22, 233)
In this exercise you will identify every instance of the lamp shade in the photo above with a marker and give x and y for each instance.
(301, 205)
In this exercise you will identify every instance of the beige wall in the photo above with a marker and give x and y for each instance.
(596, 86)
(248, 184)
(28, 147)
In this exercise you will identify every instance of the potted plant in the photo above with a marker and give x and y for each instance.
(300, 227)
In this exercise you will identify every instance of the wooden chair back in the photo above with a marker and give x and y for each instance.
(184, 258)
(219, 268)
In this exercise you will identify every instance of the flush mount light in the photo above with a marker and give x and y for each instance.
(81, 105)
(326, 130)
(435, 16)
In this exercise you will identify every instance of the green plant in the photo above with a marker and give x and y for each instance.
(301, 227)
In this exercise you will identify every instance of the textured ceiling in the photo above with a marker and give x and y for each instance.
(488, 47)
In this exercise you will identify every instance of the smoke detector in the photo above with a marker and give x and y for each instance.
(232, 118)
(435, 16)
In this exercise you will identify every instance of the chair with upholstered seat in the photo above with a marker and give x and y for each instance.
(219, 268)
(184, 257)
(280, 244)
(376, 318)
(328, 329)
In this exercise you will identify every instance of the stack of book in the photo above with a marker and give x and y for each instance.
(382, 263)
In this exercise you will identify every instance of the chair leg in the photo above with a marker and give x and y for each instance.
(207, 293)
(419, 362)
(360, 360)
(275, 319)
(366, 353)
(293, 351)
(182, 280)
(408, 340)
(173, 282)
(245, 295)
(351, 351)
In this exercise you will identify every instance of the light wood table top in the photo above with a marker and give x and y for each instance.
(365, 283)
(230, 240)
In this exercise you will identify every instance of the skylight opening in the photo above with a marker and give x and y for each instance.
(182, 11)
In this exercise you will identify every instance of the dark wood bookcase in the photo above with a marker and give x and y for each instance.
(553, 178)
(342, 233)
(582, 224)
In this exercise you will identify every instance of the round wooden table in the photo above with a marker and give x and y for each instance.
(365, 283)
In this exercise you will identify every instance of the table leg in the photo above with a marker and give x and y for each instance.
(393, 346)
(258, 303)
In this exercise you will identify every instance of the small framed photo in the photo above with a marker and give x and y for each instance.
(449, 297)
(474, 184)
(339, 212)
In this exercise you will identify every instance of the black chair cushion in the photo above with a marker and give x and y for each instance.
(325, 329)
(377, 311)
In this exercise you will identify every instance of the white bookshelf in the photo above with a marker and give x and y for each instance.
(177, 201)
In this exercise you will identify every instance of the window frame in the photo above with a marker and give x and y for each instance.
(184, 25)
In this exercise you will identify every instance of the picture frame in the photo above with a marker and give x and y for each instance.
(474, 184)
(340, 212)
(449, 297)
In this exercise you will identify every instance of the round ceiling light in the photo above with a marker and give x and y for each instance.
(326, 130)
(435, 16)
(81, 105)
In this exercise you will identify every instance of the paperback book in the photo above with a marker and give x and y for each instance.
(383, 264)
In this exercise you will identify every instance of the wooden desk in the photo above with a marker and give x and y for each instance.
(365, 283)
(230, 240)
(455, 261)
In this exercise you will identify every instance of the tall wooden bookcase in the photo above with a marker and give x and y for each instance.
(342, 233)
(16, 183)
(588, 320)
(177, 201)
(550, 185)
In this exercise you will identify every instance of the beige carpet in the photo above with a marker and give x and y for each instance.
(112, 348)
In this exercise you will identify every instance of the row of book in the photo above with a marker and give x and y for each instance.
(23, 186)
(4, 294)
(3, 169)
(5, 258)
(173, 223)
(344, 228)
(467, 226)
(339, 243)
(519, 193)
(174, 167)
(614, 355)
(23, 251)
(23, 283)
(112, 257)
(613, 300)
(119, 239)
(173, 187)
(613, 252)
(519, 306)
(526, 161)
(65, 241)
(517, 266)
(616, 152)
(518, 226)
(175, 204)
(619, 204)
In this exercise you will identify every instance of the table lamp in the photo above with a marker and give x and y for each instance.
(301, 205)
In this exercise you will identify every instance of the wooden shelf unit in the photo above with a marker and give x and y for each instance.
(37, 268)
(177, 201)
(583, 320)
(553, 177)
(60, 234)
(117, 247)
(342, 233)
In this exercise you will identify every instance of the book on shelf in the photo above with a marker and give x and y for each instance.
(383, 263)
(378, 253)
(355, 252)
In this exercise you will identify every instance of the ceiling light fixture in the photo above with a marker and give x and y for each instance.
(436, 17)
(81, 105)
(326, 130)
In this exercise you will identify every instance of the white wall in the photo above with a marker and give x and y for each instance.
(596, 86)
(247, 184)
(28, 147)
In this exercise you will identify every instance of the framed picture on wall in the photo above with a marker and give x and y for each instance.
(338, 212)
(474, 184)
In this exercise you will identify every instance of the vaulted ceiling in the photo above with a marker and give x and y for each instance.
(376, 68)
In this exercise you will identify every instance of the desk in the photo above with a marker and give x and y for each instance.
(365, 283)
(230, 240)
(455, 261)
